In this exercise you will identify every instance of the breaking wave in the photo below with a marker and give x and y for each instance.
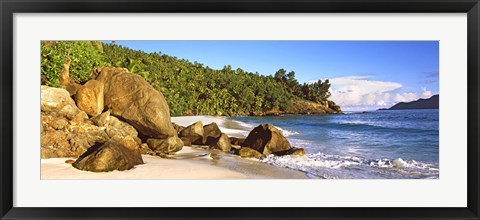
(336, 166)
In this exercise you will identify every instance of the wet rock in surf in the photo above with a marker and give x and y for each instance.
(266, 139)
(291, 151)
(249, 152)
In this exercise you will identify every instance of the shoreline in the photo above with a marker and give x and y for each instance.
(191, 163)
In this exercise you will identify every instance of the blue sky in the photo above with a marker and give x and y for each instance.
(364, 74)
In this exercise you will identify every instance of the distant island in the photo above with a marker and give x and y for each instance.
(430, 103)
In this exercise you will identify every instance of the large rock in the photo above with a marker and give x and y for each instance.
(119, 153)
(101, 119)
(85, 136)
(55, 144)
(291, 151)
(61, 137)
(266, 139)
(50, 122)
(56, 101)
(178, 128)
(134, 100)
(89, 97)
(165, 146)
(72, 143)
(144, 149)
(236, 141)
(211, 134)
(249, 152)
(79, 119)
(117, 127)
(192, 133)
(66, 130)
(186, 141)
(223, 143)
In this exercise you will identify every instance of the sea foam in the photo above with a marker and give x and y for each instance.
(324, 165)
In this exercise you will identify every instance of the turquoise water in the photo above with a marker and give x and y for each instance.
(378, 144)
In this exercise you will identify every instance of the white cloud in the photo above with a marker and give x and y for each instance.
(359, 92)
(381, 103)
(405, 97)
(426, 93)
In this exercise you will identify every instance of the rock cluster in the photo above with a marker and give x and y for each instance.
(210, 135)
(103, 122)
(261, 141)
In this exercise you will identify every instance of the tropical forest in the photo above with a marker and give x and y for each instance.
(189, 87)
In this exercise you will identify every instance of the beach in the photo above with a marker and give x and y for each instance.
(348, 146)
(188, 163)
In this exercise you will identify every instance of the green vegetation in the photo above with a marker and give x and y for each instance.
(315, 92)
(190, 88)
(84, 56)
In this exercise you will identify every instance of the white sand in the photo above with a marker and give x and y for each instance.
(189, 163)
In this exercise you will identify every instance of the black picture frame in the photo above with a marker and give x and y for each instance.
(9, 7)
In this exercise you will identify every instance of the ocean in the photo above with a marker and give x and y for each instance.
(392, 144)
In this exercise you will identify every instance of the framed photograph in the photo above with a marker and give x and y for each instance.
(230, 109)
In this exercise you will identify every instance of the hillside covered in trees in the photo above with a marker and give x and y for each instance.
(191, 88)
